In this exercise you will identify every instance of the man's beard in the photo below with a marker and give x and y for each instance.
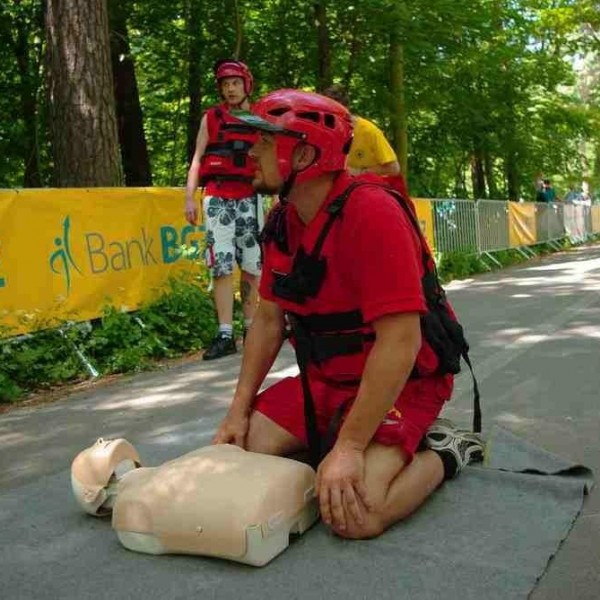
(262, 187)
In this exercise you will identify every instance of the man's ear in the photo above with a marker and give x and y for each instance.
(304, 156)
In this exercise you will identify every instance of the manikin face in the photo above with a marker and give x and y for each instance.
(232, 90)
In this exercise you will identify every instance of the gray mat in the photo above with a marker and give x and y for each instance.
(487, 535)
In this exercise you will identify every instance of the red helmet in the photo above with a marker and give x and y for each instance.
(322, 123)
(234, 68)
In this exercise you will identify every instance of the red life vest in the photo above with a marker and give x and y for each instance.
(225, 167)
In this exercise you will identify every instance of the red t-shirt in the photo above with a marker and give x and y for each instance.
(373, 264)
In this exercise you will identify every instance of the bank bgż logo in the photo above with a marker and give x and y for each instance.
(61, 260)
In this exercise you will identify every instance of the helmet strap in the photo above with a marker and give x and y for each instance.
(287, 186)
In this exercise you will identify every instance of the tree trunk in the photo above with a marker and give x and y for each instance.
(324, 78)
(83, 123)
(488, 164)
(354, 46)
(130, 121)
(460, 184)
(511, 161)
(194, 74)
(596, 167)
(29, 108)
(512, 176)
(477, 173)
(398, 104)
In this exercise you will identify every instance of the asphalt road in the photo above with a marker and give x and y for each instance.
(534, 331)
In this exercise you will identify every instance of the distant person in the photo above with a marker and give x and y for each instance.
(549, 193)
(231, 205)
(370, 151)
(585, 197)
(539, 189)
(573, 196)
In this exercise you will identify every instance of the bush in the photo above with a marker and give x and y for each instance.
(454, 265)
(36, 362)
(9, 390)
(117, 343)
(182, 317)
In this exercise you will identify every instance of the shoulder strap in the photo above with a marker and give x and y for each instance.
(334, 210)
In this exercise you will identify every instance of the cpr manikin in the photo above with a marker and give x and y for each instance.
(215, 501)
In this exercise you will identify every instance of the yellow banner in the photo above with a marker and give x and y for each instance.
(67, 253)
(425, 215)
(596, 218)
(521, 224)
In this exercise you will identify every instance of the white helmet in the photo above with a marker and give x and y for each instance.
(94, 475)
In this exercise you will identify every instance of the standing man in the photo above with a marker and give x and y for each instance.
(347, 278)
(370, 151)
(231, 206)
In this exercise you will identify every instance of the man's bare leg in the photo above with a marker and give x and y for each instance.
(266, 437)
(395, 490)
(249, 293)
(223, 295)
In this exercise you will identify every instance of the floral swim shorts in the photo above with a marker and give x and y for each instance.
(232, 233)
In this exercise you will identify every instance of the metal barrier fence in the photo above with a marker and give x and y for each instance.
(485, 226)
(492, 222)
(550, 222)
(455, 225)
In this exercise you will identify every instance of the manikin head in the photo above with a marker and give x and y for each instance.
(234, 81)
(96, 470)
(305, 135)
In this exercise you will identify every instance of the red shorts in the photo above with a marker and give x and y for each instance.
(404, 425)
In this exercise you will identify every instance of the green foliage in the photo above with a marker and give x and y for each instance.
(492, 80)
(35, 362)
(9, 390)
(456, 265)
(509, 257)
(182, 317)
(118, 344)
(180, 320)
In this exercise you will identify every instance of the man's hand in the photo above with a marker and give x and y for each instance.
(191, 211)
(232, 430)
(341, 487)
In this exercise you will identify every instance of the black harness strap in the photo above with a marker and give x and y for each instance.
(237, 128)
(325, 323)
(303, 353)
(218, 178)
(228, 148)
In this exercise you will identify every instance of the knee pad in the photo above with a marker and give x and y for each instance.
(216, 501)
(96, 472)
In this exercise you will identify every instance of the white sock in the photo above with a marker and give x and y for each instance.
(226, 330)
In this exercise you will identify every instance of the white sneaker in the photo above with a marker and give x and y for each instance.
(465, 446)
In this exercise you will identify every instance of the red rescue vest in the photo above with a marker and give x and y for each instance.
(225, 166)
